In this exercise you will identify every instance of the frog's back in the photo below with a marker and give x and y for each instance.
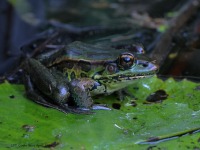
(82, 52)
(78, 50)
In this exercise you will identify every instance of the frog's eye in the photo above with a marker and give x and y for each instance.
(111, 68)
(126, 60)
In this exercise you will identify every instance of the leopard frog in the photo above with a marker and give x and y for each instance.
(73, 73)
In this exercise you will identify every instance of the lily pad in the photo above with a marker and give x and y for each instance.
(134, 123)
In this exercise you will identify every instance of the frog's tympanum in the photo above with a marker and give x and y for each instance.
(78, 71)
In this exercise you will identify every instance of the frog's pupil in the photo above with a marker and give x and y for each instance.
(127, 59)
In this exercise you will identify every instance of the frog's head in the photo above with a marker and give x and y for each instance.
(125, 68)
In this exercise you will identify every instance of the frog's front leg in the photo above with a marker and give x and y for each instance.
(122, 93)
(80, 90)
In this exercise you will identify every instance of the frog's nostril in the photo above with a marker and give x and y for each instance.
(145, 64)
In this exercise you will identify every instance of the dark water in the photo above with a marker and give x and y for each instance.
(36, 21)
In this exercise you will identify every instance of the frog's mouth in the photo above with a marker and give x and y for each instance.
(124, 78)
(142, 70)
(133, 77)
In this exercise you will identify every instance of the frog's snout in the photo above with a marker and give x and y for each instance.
(153, 67)
(150, 66)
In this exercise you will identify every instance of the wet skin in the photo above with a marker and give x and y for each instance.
(78, 71)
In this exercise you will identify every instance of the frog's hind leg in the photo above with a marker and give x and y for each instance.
(35, 96)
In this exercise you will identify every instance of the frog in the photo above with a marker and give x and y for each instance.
(67, 77)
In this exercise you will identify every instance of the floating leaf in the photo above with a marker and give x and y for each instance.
(134, 124)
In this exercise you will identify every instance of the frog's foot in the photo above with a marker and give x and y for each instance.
(95, 107)
(100, 107)
(123, 93)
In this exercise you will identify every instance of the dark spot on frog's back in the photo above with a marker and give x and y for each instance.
(65, 64)
(83, 75)
(72, 75)
(85, 66)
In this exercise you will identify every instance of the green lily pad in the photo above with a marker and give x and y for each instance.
(170, 123)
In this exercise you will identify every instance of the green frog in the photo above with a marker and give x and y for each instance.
(66, 77)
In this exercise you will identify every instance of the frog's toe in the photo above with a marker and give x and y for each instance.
(100, 107)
